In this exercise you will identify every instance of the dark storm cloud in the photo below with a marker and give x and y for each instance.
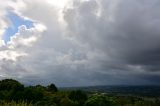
(127, 31)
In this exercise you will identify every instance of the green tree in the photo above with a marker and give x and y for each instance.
(32, 94)
(78, 96)
(9, 88)
(10, 84)
(52, 88)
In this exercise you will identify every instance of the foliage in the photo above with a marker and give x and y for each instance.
(52, 88)
(12, 103)
(99, 100)
(13, 93)
(78, 96)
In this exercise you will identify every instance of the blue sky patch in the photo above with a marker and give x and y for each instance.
(16, 22)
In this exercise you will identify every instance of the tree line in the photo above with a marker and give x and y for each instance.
(13, 93)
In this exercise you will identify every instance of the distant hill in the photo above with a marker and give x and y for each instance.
(148, 91)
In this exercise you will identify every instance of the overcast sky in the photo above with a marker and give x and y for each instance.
(80, 42)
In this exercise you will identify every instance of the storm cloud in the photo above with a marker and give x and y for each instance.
(87, 42)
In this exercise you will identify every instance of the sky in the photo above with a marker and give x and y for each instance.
(15, 22)
(80, 42)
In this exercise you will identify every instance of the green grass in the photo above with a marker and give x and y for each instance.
(15, 104)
